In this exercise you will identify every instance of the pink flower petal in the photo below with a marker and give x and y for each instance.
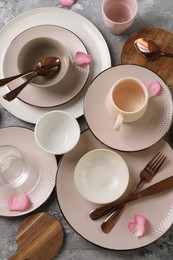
(19, 202)
(137, 225)
(82, 58)
(67, 2)
(154, 88)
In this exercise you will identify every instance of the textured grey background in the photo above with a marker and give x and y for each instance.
(157, 13)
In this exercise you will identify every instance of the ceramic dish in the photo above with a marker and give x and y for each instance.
(42, 174)
(87, 32)
(101, 176)
(133, 136)
(57, 132)
(55, 95)
(120, 238)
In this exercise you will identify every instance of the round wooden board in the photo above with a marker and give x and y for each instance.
(163, 66)
(39, 236)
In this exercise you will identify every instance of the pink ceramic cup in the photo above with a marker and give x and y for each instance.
(119, 15)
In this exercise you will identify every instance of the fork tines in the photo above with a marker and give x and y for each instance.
(155, 164)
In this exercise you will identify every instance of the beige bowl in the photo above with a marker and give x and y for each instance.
(101, 176)
(37, 49)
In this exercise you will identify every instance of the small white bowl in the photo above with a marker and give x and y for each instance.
(101, 176)
(57, 132)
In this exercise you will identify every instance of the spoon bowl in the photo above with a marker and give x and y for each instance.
(149, 49)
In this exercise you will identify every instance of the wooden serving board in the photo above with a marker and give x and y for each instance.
(163, 66)
(39, 236)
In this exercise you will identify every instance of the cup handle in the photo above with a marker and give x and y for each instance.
(118, 122)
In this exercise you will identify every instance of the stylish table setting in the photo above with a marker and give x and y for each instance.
(58, 222)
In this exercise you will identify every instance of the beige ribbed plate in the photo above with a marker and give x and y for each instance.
(52, 96)
(87, 32)
(132, 136)
(42, 174)
(157, 209)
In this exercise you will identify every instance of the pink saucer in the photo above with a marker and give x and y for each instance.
(42, 173)
(132, 136)
(52, 96)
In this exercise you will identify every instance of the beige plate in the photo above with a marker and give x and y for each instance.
(42, 164)
(133, 136)
(47, 97)
(159, 221)
(87, 32)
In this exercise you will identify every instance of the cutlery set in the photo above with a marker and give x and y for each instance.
(146, 175)
(45, 67)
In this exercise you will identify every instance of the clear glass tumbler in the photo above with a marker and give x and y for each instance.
(14, 168)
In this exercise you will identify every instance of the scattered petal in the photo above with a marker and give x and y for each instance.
(82, 58)
(67, 2)
(19, 202)
(137, 225)
(154, 88)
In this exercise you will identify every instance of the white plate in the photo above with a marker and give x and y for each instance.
(84, 29)
(135, 136)
(157, 209)
(43, 169)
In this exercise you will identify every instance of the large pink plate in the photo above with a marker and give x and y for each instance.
(157, 209)
(132, 136)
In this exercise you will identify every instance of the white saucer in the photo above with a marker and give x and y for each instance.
(43, 169)
(132, 136)
(157, 209)
(88, 34)
(51, 96)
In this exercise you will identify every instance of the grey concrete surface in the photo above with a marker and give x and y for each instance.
(151, 13)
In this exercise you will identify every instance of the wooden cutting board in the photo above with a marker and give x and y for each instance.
(163, 66)
(39, 236)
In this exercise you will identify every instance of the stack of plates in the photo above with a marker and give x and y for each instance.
(83, 37)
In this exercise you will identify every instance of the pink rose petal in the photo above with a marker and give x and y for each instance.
(67, 2)
(19, 202)
(82, 58)
(154, 88)
(137, 225)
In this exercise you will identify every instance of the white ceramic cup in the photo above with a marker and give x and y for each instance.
(119, 15)
(127, 101)
(57, 132)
